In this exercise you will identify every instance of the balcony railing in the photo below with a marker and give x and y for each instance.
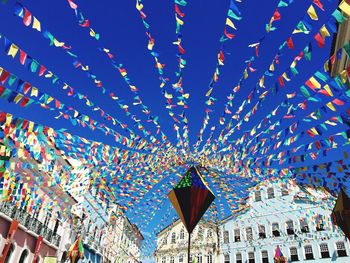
(30, 223)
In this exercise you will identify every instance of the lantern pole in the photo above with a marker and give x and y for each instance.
(189, 248)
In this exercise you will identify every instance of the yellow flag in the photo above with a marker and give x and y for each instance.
(49, 100)
(324, 31)
(34, 92)
(139, 6)
(230, 23)
(272, 67)
(36, 24)
(18, 98)
(12, 50)
(345, 7)
(312, 13)
(344, 76)
(330, 105)
(8, 119)
(179, 21)
(329, 91)
(30, 126)
(316, 84)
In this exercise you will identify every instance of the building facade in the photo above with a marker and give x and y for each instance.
(295, 220)
(172, 243)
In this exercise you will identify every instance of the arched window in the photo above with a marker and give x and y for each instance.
(226, 237)
(265, 256)
(181, 258)
(290, 227)
(308, 252)
(24, 256)
(238, 258)
(237, 234)
(257, 196)
(200, 232)
(199, 258)
(10, 254)
(285, 192)
(324, 250)
(209, 233)
(262, 232)
(251, 257)
(172, 259)
(294, 254)
(226, 258)
(249, 233)
(270, 193)
(173, 238)
(304, 227)
(182, 233)
(341, 250)
(275, 230)
(163, 259)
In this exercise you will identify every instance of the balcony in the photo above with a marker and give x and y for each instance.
(30, 223)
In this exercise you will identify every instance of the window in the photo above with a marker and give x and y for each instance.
(238, 258)
(320, 226)
(163, 259)
(304, 227)
(9, 254)
(182, 234)
(199, 259)
(226, 258)
(251, 258)
(181, 258)
(173, 238)
(24, 256)
(270, 193)
(258, 196)
(164, 241)
(341, 251)
(249, 233)
(294, 254)
(308, 253)
(285, 192)
(262, 232)
(324, 250)
(237, 235)
(172, 260)
(200, 232)
(209, 233)
(226, 237)
(210, 258)
(275, 230)
(265, 256)
(290, 227)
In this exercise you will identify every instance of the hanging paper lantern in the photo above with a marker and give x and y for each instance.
(191, 197)
(341, 213)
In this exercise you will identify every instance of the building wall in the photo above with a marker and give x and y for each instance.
(172, 245)
(23, 239)
(280, 209)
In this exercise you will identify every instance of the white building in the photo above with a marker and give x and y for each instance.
(172, 243)
(284, 216)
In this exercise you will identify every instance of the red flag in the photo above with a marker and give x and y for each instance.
(177, 10)
(27, 19)
(319, 4)
(319, 39)
(22, 57)
(276, 15)
(290, 43)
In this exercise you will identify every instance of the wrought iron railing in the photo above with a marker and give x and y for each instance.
(31, 223)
